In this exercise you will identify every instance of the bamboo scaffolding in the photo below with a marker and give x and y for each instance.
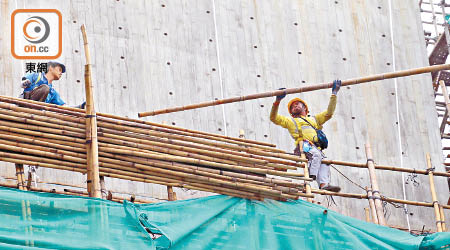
(441, 211)
(367, 214)
(433, 195)
(372, 78)
(66, 191)
(53, 137)
(48, 149)
(20, 176)
(383, 198)
(372, 206)
(170, 196)
(41, 149)
(93, 176)
(134, 122)
(375, 188)
(76, 167)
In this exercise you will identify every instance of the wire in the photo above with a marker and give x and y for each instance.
(356, 184)
(385, 210)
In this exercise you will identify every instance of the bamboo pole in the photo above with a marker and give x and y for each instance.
(375, 187)
(20, 176)
(135, 122)
(372, 78)
(433, 194)
(266, 192)
(30, 179)
(102, 187)
(179, 135)
(357, 165)
(441, 211)
(367, 214)
(91, 126)
(372, 206)
(62, 152)
(170, 193)
(41, 151)
(36, 122)
(350, 164)
(39, 189)
(305, 173)
(45, 116)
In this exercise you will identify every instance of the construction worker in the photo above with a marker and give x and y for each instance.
(38, 86)
(303, 129)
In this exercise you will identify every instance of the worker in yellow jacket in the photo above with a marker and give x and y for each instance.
(302, 128)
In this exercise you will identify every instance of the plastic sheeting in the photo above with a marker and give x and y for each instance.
(29, 220)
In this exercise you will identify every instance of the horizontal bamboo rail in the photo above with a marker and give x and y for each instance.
(327, 85)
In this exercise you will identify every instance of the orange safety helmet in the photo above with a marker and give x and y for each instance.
(297, 100)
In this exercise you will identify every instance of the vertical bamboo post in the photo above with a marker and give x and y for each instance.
(441, 211)
(307, 185)
(174, 196)
(372, 206)
(367, 213)
(93, 175)
(170, 194)
(30, 179)
(102, 187)
(306, 173)
(375, 187)
(20, 176)
(433, 194)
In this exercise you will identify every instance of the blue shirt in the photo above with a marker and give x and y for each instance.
(52, 97)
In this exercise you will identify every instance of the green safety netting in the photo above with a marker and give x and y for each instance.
(31, 220)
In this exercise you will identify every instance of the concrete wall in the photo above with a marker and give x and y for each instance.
(153, 54)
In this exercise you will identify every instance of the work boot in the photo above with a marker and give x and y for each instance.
(331, 188)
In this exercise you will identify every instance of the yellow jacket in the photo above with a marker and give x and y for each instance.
(304, 129)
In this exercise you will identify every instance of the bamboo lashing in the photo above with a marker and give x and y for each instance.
(375, 188)
(93, 177)
(371, 78)
(433, 194)
(372, 206)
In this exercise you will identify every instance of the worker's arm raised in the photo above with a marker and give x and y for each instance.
(326, 115)
(275, 117)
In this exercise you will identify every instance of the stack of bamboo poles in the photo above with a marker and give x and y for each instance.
(46, 135)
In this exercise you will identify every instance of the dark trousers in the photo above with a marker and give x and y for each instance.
(38, 94)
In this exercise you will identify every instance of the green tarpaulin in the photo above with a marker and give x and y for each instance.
(31, 220)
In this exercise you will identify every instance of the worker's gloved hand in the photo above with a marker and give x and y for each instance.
(336, 86)
(280, 97)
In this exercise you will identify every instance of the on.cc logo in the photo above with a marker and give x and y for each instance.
(36, 34)
(37, 25)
